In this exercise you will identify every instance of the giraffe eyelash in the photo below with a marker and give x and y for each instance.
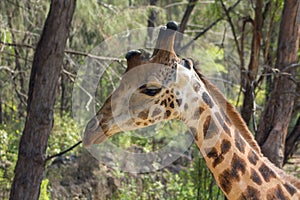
(150, 90)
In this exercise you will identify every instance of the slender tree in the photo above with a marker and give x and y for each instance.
(273, 125)
(249, 76)
(45, 72)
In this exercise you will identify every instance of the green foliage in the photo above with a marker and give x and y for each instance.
(44, 194)
(9, 143)
(193, 181)
(93, 22)
(64, 134)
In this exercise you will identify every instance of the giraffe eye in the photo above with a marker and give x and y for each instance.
(150, 91)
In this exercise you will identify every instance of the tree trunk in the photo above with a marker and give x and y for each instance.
(183, 23)
(292, 141)
(275, 120)
(20, 77)
(250, 76)
(41, 97)
(1, 117)
(63, 91)
(152, 20)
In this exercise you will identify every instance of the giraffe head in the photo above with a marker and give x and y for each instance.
(150, 91)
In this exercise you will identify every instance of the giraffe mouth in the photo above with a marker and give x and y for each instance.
(95, 131)
(93, 136)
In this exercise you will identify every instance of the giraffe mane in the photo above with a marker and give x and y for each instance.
(231, 112)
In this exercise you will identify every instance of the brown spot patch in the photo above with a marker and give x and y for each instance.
(276, 193)
(179, 102)
(212, 129)
(156, 112)
(206, 125)
(227, 120)
(195, 99)
(167, 114)
(213, 153)
(206, 98)
(186, 106)
(252, 157)
(291, 189)
(196, 86)
(194, 132)
(143, 115)
(226, 129)
(255, 177)
(176, 113)
(222, 122)
(172, 104)
(250, 193)
(225, 180)
(219, 118)
(225, 146)
(218, 160)
(266, 172)
(229, 175)
(239, 142)
(198, 112)
(138, 123)
(163, 103)
(238, 164)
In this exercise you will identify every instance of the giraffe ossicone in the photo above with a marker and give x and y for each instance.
(167, 87)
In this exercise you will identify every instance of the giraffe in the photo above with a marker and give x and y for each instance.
(175, 89)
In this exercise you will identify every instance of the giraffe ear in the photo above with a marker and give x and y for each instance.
(133, 58)
(187, 63)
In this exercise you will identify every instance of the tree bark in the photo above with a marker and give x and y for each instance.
(63, 91)
(44, 76)
(249, 77)
(1, 117)
(292, 141)
(152, 19)
(276, 117)
(183, 23)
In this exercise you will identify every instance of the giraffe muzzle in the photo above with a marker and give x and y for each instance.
(93, 134)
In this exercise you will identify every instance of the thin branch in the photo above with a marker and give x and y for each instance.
(63, 152)
(187, 15)
(7, 69)
(227, 14)
(175, 4)
(17, 45)
(69, 52)
(294, 65)
(276, 72)
(209, 27)
(94, 56)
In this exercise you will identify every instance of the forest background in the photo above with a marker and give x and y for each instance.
(254, 44)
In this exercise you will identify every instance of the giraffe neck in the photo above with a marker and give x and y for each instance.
(239, 169)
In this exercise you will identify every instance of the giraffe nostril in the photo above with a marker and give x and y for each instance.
(93, 124)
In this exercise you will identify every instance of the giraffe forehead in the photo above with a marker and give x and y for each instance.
(154, 73)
